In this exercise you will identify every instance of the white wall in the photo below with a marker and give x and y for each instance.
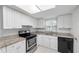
(75, 22)
(6, 32)
(75, 28)
(1, 20)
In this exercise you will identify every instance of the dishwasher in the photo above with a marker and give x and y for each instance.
(65, 45)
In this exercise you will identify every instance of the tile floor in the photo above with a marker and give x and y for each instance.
(42, 49)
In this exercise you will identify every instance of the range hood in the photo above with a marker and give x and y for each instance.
(26, 27)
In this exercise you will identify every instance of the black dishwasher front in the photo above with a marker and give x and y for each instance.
(65, 45)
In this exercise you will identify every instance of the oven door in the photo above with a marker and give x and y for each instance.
(31, 43)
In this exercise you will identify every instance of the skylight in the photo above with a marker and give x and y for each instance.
(36, 8)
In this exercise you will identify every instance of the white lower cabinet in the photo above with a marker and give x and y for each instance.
(47, 41)
(11, 49)
(17, 47)
(43, 40)
(3, 50)
(21, 47)
(39, 40)
(54, 43)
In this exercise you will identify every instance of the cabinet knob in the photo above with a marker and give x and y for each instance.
(75, 38)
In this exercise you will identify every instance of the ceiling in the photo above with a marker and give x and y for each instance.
(58, 10)
(35, 8)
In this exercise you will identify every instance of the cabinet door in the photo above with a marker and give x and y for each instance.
(67, 21)
(46, 42)
(3, 50)
(11, 49)
(20, 47)
(40, 40)
(17, 19)
(8, 18)
(43, 40)
(54, 43)
(60, 22)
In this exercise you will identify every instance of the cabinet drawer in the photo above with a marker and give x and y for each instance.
(18, 47)
(3, 50)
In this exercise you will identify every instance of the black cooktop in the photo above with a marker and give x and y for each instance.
(28, 36)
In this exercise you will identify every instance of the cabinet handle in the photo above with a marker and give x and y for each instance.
(75, 38)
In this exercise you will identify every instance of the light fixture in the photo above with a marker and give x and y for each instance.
(36, 8)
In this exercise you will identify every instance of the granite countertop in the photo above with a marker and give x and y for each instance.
(57, 34)
(8, 40)
(67, 35)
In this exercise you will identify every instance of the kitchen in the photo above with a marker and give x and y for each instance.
(52, 30)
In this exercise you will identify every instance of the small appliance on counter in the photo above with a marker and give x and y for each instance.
(31, 40)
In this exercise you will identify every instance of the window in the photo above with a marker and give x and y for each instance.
(51, 25)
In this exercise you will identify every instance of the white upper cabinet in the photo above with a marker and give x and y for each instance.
(11, 18)
(64, 21)
(67, 21)
(8, 18)
(41, 23)
(15, 19)
(60, 22)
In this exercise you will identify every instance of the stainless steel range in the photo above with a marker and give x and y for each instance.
(31, 40)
